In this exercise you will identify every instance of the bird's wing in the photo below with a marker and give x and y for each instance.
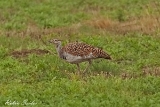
(83, 50)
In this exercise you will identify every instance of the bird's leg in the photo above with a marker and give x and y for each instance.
(78, 68)
(89, 63)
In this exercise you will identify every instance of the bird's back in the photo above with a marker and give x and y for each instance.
(85, 51)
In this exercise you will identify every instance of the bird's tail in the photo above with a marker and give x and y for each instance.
(105, 55)
(108, 57)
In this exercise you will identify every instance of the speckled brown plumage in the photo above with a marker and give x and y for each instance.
(82, 49)
(76, 53)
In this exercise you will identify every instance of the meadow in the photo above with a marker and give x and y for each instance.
(32, 74)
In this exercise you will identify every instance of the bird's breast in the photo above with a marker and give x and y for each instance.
(76, 59)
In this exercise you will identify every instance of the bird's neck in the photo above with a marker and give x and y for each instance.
(59, 50)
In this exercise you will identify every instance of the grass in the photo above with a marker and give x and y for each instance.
(32, 74)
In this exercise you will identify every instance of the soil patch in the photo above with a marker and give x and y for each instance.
(151, 71)
(26, 52)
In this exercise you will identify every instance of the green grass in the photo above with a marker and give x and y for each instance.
(49, 81)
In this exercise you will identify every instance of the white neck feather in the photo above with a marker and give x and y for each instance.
(59, 50)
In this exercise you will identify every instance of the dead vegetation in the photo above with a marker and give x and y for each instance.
(144, 25)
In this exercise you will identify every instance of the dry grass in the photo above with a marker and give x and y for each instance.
(102, 23)
(35, 31)
(144, 25)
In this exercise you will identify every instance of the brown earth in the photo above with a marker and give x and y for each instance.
(26, 52)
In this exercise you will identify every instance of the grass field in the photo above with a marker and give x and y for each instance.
(32, 74)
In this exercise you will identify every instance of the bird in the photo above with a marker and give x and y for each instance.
(78, 52)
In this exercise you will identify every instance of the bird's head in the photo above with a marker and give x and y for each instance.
(55, 41)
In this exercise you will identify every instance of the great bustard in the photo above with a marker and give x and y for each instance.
(76, 53)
